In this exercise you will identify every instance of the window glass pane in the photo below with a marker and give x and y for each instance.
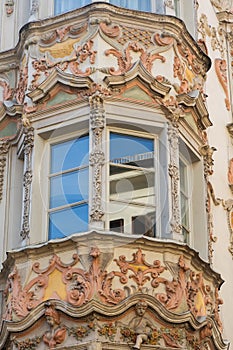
(117, 225)
(70, 154)
(61, 6)
(141, 5)
(127, 149)
(132, 185)
(69, 188)
(65, 222)
(159, 6)
(144, 225)
(132, 180)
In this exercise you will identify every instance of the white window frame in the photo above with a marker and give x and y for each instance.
(146, 135)
(187, 193)
(46, 175)
(52, 175)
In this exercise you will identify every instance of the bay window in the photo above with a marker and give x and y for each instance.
(68, 207)
(131, 184)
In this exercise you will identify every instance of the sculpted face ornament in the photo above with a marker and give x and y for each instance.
(57, 333)
(9, 5)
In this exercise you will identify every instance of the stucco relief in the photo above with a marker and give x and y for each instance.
(27, 180)
(207, 153)
(9, 6)
(185, 290)
(136, 46)
(228, 206)
(138, 325)
(97, 156)
(173, 171)
(22, 84)
(56, 333)
(222, 5)
(221, 71)
(216, 35)
(8, 92)
(34, 7)
(61, 34)
(4, 148)
(125, 62)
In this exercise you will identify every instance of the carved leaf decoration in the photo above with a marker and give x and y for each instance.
(142, 271)
(79, 289)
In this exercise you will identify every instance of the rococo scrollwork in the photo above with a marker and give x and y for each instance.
(185, 289)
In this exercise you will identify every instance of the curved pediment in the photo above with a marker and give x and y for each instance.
(56, 77)
(138, 72)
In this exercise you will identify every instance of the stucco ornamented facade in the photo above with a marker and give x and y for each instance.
(116, 176)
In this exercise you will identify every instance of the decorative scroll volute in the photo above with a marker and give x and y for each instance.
(112, 31)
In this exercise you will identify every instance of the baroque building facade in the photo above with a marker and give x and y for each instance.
(116, 174)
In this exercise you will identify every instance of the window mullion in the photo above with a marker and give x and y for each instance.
(97, 161)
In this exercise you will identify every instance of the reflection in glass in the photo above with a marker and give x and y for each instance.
(69, 154)
(69, 182)
(69, 188)
(132, 180)
(65, 222)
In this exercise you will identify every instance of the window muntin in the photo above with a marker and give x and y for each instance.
(69, 181)
(131, 182)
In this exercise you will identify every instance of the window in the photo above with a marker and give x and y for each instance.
(157, 6)
(61, 6)
(131, 184)
(186, 10)
(69, 181)
(144, 5)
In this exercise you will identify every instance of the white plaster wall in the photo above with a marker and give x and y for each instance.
(219, 138)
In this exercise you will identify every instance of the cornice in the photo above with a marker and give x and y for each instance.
(189, 100)
(107, 241)
(225, 17)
